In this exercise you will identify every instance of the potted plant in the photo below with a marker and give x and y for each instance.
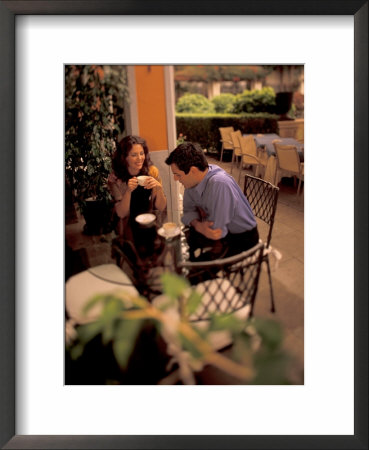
(94, 99)
(118, 333)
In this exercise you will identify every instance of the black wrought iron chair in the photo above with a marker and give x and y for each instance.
(263, 197)
(227, 285)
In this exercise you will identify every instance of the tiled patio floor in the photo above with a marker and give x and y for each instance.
(288, 278)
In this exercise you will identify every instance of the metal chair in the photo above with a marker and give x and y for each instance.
(288, 161)
(225, 139)
(236, 136)
(263, 198)
(227, 285)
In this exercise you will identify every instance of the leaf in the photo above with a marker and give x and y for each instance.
(270, 332)
(87, 332)
(226, 321)
(108, 331)
(111, 310)
(94, 300)
(241, 350)
(191, 347)
(76, 351)
(173, 285)
(193, 302)
(125, 340)
(271, 368)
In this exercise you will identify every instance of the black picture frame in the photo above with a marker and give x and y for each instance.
(8, 11)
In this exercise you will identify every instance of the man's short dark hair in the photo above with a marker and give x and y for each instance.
(187, 155)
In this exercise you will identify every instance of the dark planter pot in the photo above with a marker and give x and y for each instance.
(283, 104)
(99, 217)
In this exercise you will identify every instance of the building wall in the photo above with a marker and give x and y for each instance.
(151, 106)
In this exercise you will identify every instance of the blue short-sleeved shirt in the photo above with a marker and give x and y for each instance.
(222, 200)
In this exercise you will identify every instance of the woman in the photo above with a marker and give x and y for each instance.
(131, 160)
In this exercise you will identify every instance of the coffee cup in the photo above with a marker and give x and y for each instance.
(146, 219)
(142, 179)
(170, 228)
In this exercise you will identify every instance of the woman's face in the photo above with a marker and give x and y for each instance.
(135, 159)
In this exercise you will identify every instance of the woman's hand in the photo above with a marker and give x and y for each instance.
(152, 183)
(132, 184)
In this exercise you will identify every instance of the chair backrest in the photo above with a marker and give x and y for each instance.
(288, 158)
(271, 170)
(249, 150)
(226, 285)
(225, 136)
(235, 136)
(263, 198)
(248, 145)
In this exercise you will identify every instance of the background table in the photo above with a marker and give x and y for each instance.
(266, 141)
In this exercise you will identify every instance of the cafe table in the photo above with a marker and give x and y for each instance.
(144, 251)
(265, 141)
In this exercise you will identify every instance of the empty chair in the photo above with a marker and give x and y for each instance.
(225, 139)
(300, 131)
(288, 162)
(235, 136)
(249, 155)
(263, 198)
(271, 170)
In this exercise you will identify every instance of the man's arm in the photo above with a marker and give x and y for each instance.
(190, 211)
(206, 228)
(220, 202)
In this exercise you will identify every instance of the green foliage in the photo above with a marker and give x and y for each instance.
(204, 128)
(94, 97)
(181, 139)
(255, 101)
(124, 342)
(194, 103)
(173, 285)
(223, 103)
(257, 343)
(111, 328)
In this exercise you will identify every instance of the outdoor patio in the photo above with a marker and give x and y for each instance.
(288, 277)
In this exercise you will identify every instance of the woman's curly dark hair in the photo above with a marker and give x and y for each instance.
(119, 160)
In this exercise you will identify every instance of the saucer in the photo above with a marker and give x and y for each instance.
(145, 219)
(162, 233)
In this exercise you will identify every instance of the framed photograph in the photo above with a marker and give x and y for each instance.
(36, 409)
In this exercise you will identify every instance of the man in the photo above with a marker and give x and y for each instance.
(213, 203)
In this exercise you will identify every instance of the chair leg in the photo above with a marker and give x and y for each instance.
(221, 153)
(233, 158)
(298, 187)
(239, 173)
(272, 306)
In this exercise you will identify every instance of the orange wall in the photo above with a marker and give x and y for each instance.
(150, 93)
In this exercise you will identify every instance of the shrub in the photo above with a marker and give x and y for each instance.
(204, 128)
(258, 100)
(223, 103)
(194, 103)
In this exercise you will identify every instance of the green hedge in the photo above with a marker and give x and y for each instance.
(204, 128)
(194, 103)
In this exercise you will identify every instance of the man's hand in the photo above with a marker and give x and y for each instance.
(205, 229)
